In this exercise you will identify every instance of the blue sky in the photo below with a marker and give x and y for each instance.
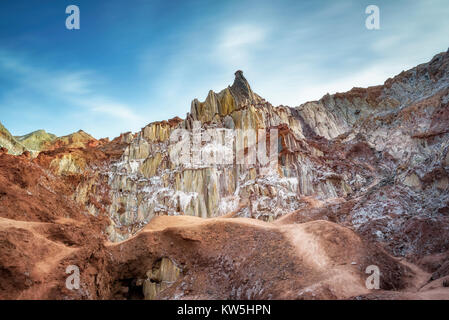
(135, 62)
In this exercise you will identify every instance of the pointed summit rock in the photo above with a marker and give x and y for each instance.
(226, 101)
(241, 89)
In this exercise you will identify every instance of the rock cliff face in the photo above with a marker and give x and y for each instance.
(373, 162)
(383, 145)
(145, 182)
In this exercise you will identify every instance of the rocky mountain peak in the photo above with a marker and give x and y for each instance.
(241, 85)
(234, 97)
(36, 140)
(241, 88)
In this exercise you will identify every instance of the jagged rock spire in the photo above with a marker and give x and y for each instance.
(226, 101)
(241, 89)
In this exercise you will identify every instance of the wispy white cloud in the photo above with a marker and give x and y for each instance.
(56, 82)
(238, 43)
(74, 83)
(106, 106)
(324, 52)
(74, 88)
